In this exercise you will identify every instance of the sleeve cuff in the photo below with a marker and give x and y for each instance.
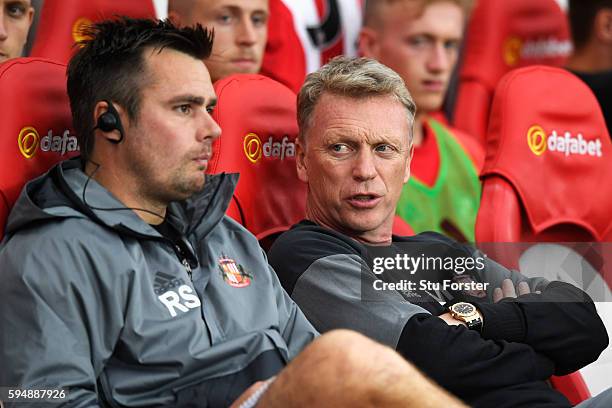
(502, 321)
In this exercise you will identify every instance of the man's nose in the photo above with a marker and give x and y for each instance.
(438, 60)
(3, 30)
(246, 34)
(208, 130)
(365, 166)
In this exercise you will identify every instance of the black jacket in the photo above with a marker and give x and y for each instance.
(524, 340)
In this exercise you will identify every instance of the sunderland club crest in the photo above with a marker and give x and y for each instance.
(233, 273)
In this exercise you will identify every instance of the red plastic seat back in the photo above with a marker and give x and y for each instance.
(61, 22)
(257, 116)
(35, 125)
(548, 140)
(503, 35)
(546, 174)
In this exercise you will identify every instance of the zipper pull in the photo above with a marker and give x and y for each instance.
(187, 268)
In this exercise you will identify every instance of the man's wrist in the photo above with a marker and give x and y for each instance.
(450, 320)
(467, 313)
(505, 321)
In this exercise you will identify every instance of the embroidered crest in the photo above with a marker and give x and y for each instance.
(233, 273)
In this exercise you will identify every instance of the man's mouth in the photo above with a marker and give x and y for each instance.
(202, 160)
(433, 85)
(364, 200)
(246, 63)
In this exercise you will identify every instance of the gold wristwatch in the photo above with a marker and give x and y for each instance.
(467, 313)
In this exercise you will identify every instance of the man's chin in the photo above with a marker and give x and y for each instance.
(185, 190)
(430, 103)
(226, 69)
(359, 227)
(246, 70)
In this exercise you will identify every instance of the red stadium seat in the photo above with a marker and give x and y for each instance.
(259, 127)
(503, 35)
(61, 22)
(35, 125)
(546, 174)
(401, 227)
(284, 59)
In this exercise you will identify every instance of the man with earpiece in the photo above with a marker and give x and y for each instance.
(123, 283)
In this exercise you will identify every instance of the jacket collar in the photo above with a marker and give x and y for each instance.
(66, 191)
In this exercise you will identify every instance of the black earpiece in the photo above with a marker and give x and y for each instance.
(110, 121)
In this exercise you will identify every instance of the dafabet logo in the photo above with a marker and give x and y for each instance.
(539, 142)
(254, 150)
(29, 141)
(515, 49)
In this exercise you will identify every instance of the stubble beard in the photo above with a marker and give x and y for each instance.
(180, 184)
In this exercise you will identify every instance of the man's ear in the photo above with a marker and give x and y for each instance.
(368, 44)
(31, 12)
(300, 160)
(407, 169)
(603, 25)
(101, 108)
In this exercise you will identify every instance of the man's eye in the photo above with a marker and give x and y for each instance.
(16, 10)
(340, 148)
(225, 19)
(210, 109)
(385, 148)
(451, 45)
(418, 41)
(259, 20)
(184, 109)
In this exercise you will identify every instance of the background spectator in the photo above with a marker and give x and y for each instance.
(240, 32)
(591, 27)
(15, 20)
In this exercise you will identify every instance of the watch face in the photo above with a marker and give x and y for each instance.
(463, 308)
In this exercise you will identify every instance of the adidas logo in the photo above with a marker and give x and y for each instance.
(164, 282)
(174, 294)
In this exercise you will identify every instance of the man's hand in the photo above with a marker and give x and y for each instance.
(508, 290)
(245, 395)
(450, 320)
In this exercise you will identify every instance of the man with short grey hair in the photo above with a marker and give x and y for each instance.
(345, 268)
(358, 77)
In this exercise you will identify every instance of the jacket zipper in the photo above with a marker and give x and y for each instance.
(187, 268)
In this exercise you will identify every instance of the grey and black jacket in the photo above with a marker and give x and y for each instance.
(95, 300)
(523, 341)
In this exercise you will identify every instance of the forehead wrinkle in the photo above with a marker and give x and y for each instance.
(359, 134)
(331, 118)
